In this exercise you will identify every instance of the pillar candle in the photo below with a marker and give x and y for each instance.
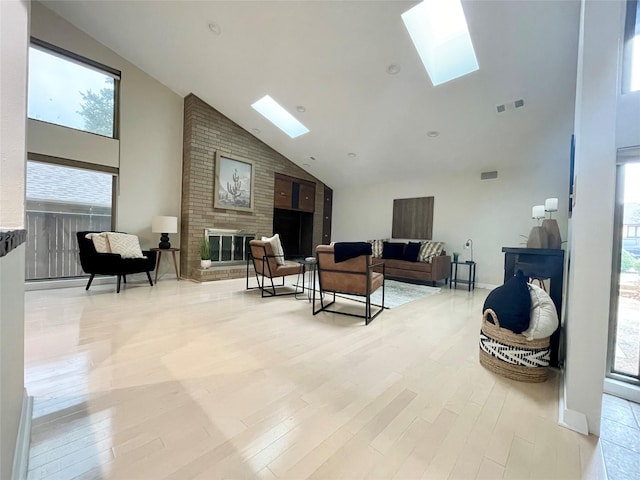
(537, 211)
(551, 204)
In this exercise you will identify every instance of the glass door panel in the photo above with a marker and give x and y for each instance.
(624, 354)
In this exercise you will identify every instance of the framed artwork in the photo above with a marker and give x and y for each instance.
(413, 218)
(233, 185)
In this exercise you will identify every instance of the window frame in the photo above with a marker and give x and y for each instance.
(93, 65)
(63, 162)
(629, 32)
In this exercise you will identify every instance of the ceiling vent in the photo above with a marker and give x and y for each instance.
(489, 175)
(510, 105)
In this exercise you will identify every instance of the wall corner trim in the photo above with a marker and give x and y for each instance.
(23, 440)
(571, 419)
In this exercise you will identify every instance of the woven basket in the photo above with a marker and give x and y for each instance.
(511, 354)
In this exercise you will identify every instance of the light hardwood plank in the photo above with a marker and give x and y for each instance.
(187, 380)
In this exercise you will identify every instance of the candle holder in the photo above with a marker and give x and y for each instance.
(538, 237)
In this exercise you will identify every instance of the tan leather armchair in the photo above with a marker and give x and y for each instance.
(353, 277)
(266, 268)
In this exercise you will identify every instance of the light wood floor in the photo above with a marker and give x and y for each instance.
(185, 380)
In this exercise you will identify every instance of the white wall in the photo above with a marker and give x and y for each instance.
(494, 213)
(604, 122)
(150, 131)
(14, 27)
(14, 34)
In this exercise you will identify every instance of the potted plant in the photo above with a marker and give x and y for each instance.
(456, 255)
(205, 254)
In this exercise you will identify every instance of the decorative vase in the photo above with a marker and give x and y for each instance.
(538, 238)
(455, 257)
(553, 232)
(205, 264)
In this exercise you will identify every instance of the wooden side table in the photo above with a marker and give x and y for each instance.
(159, 252)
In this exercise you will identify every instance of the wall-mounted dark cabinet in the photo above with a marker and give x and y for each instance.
(327, 209)
(294, 194)
(282, 192)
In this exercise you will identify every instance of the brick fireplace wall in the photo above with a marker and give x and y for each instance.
(206, 131)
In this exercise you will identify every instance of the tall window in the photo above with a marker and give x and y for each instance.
(631, 59)
(62, 200)
(72, 91)
(624, 337)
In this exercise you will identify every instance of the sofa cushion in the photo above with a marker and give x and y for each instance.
(512, 303)
(127, 246)
(395, 264)
(430, 249)
(411, 251)
(393, 250)
(376, 247)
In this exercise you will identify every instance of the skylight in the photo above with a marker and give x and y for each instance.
(277, 115)
(439, 31)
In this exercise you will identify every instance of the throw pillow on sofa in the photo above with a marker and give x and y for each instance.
(429, 250)
(512, 303)
(392, 250)
(128, 246)
(100, 242)
(411, 251)
(376, 247)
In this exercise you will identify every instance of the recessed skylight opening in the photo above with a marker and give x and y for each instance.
(439, 31)
(277, 115)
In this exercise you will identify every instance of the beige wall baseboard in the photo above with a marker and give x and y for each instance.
(571, 419)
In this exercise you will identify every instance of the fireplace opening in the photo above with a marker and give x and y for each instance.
(296, 232)
(230, 246)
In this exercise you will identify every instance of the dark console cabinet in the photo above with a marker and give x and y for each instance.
(542, 263)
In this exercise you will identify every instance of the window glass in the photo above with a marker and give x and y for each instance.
(60, 202)
(67, 93)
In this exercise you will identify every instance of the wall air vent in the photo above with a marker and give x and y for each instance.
(510, 105)
(488, 175)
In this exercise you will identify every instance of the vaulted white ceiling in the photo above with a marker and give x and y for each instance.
(332, 58)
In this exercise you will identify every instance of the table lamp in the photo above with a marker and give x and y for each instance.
(469, 245)
(164, 226)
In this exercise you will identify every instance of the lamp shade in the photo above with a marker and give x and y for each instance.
(537, 211)
(551, 204)
(163, 224)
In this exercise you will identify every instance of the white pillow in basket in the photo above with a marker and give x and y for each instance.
(128, 246)
(276, 246)
(544, 318)
(100, 242)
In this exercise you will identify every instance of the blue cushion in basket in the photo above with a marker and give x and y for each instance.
(512, 303)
